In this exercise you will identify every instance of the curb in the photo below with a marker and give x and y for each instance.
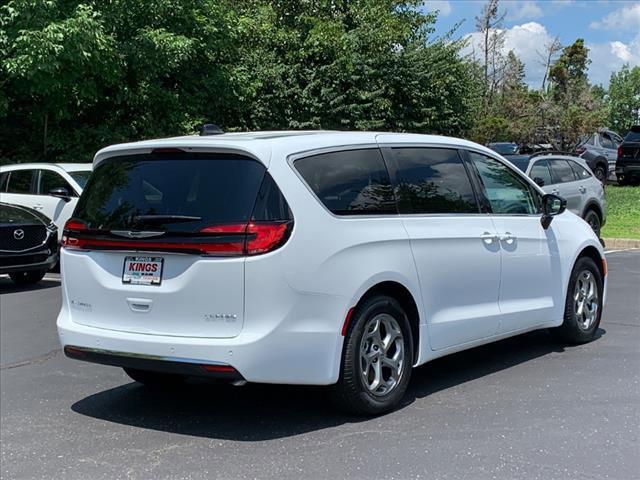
(615, 243)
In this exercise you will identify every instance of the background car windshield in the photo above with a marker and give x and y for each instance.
(214, 189)
(81, 177)
(505, 148)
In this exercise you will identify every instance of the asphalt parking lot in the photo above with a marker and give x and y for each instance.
(524, 408)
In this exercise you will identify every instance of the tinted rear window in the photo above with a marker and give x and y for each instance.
(432, 180)
(216, 188)
(351, 182)
(632, 136)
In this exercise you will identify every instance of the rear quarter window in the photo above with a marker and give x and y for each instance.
(350, 182)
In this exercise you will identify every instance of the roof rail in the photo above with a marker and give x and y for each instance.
(210, 129)
(552, 152)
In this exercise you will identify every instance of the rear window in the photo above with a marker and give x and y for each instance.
(351, 182)
(171, 192)
(633, 135)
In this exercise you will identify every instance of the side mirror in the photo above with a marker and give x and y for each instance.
(60, 192)
(539, 181)
(552, 205)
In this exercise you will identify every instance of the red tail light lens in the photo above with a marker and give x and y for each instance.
(268, 237)
(619, 151)
(580, 150)
(234, 239)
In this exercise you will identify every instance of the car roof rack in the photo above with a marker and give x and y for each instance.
(552, 152)
(210, 129)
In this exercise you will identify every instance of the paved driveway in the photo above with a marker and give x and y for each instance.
(524, 408)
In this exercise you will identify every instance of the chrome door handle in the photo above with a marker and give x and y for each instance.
(38, 207)
(508, 238)
(488, 238)
(582, 189)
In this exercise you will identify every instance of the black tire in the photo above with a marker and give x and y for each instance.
(27, 278)
(594, 221)
(351, 393)
(600, 173)
(622, 180)
(573, 329)
(155, 379)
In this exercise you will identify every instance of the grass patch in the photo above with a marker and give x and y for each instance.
(623, 212)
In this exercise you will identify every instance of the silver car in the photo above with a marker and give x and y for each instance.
(600, 151)
(571, 178)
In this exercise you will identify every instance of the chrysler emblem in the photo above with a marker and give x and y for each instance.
(18, 234)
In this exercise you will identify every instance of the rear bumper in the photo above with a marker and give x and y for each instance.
(191, 368)
(288, 354)
(628, 170)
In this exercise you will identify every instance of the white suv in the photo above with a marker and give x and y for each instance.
(50, 188)
(324, 258)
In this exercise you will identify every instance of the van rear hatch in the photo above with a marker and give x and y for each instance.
(158, 242)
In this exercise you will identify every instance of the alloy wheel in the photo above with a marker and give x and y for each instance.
(382, 354)
(585, 300)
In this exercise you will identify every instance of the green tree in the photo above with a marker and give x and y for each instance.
(624, 99)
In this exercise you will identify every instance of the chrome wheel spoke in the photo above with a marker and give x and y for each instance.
(585, 298)
(381, 354)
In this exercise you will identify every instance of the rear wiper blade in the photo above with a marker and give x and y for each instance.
(165, 218)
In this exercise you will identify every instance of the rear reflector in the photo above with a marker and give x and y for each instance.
(347, 321)
(604, 267)
(218, 368)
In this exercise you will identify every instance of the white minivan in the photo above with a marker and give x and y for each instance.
(50, 188)
(322, 258)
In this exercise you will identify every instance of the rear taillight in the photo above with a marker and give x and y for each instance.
(619, 151)
(235, 239)
(255, 237)
(580, 150)
(72, 227)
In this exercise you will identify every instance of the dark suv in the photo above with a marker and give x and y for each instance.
(628, 163)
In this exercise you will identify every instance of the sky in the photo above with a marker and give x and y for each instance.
(610, 29)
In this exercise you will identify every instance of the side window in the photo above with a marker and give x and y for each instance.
(580, 171)
(50, 180)
(592, 140)
(541, 170)
(561, 171)
(350, 182)
(432, 180)
(20, 181)
(506, 191)
(3, 181)
(606, 141)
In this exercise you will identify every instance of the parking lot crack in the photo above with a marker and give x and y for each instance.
(31, 361)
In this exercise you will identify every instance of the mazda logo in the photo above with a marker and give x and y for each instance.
(18, 234)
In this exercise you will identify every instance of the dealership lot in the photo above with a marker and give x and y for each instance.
(522, 408)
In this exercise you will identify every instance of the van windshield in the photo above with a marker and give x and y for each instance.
(170, 192)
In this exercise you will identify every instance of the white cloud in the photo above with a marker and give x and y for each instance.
(526, 41)
(609, 57)
(443, 6)
(529, 40)
(522, 10)
(625, 18)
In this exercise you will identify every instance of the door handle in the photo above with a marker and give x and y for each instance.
(38, 206)
(508, 238)
(488, 238)
(555, 192)
(582, 189)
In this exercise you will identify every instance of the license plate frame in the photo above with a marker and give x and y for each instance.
(143, 275)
